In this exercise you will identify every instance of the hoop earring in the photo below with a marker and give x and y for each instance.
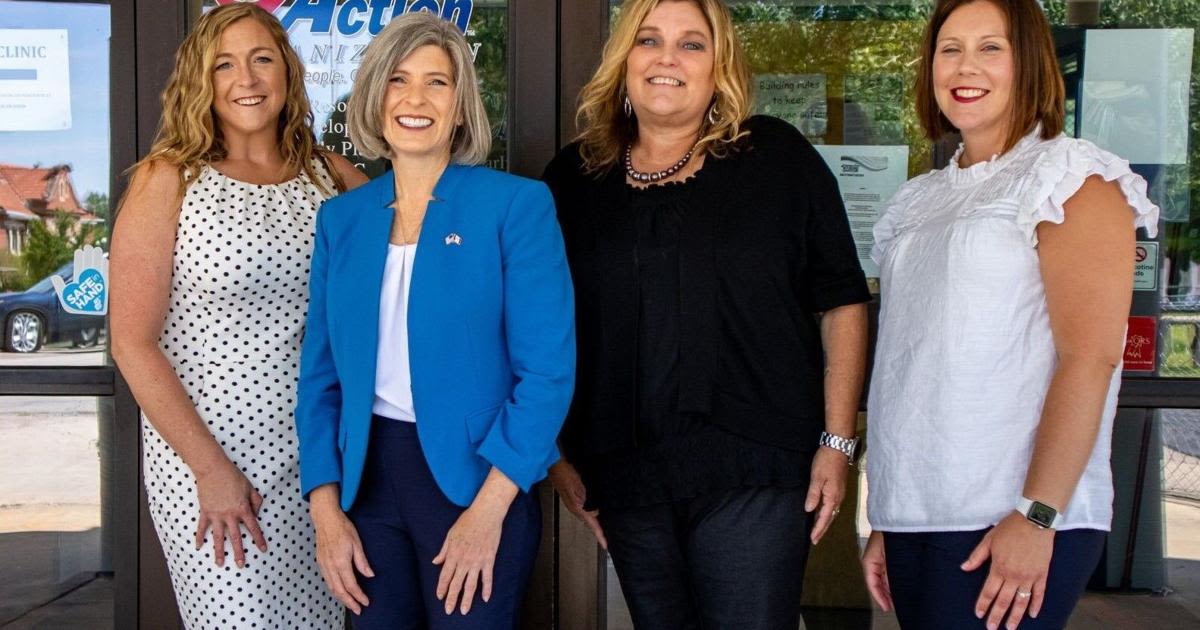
(713, 113)
(628, 107)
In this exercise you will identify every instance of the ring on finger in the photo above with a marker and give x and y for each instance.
(1023, 594)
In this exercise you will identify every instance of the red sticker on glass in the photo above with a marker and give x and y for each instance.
(1140, 344)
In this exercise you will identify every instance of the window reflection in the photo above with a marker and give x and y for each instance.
(54, 173)
(55, 545)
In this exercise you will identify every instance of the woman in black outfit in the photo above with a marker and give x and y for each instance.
(720, 326)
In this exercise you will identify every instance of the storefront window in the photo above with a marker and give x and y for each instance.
(56, 530)
(54, 175)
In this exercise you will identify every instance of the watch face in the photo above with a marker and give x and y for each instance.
(1042, 514)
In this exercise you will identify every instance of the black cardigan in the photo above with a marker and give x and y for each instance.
(765, 246)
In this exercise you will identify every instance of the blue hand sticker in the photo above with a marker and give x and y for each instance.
(87, 294)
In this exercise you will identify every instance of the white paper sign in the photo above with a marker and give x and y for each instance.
(799, 99)
(35, 80)
(867, 177)
(1135, 93)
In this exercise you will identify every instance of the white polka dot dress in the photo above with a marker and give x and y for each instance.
(239, 293)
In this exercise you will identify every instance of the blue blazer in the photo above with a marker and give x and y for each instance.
(491, 329)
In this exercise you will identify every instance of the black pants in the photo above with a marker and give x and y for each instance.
(931, 591)
(723, 561)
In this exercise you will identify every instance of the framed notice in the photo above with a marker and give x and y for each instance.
(867, 177)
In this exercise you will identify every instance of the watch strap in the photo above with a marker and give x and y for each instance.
(845, 446)
(1036, 511)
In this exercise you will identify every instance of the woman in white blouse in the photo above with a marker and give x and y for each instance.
(1006, 281)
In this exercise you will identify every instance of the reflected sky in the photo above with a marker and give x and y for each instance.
(85, 146)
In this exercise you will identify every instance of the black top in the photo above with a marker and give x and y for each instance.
(659, 212)
(700, 364)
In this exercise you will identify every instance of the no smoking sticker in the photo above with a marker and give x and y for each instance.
(1145, 268)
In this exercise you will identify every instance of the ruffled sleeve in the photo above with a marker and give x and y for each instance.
(1060, 172)
(887, 227)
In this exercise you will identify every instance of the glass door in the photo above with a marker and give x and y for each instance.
(68, 500)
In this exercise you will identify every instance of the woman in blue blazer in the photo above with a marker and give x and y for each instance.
(438, 361)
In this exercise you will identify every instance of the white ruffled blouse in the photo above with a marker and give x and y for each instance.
(965, 355)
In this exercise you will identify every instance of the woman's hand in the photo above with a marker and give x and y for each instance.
(570, 487)
(826, 488)
(469, 553)
(1020, 552)
(339, 550)
(227, 503)
(874, 564)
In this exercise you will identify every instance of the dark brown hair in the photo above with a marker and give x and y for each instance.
(1037, 90)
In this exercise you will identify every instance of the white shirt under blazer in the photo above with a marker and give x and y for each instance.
(393, 379)
(965, 353)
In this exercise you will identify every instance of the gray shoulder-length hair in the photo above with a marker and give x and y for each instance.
(472, 141)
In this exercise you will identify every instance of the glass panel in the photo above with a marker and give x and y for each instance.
(1142, 111)
(1180, 431)
(54, 176)
(55, 525)
(331, 36)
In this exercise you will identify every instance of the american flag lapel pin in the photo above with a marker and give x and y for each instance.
(453, 239)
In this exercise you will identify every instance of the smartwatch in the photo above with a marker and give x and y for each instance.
(1039, 513)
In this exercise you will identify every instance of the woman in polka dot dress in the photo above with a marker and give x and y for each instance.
(209, 265)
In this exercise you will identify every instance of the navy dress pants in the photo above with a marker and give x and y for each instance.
(402, 518)
(931, 591)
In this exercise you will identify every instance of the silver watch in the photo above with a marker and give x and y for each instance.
(846, 446)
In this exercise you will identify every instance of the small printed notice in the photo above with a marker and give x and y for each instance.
(867, 177)
(35, 80)
(800, 99)
(1145, 266)
(1140, 344)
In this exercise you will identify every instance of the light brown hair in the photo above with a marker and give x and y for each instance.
(188, 135)
(606, 129)
(1037, 90)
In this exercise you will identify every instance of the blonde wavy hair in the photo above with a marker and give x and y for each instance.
(606, 129)
(188, 134)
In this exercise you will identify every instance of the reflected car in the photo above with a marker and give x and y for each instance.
(35, 317)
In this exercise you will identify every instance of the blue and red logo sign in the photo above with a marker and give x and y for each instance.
(352, 16)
